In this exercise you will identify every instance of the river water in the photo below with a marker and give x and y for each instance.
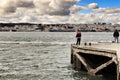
(42, 55)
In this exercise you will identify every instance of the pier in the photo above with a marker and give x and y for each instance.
(102, 59)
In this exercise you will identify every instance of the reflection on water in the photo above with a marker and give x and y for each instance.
(41, 56)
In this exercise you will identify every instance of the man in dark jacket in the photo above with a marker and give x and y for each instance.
(116, 35)
(78, 36)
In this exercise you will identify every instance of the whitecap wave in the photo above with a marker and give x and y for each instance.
(34, 42)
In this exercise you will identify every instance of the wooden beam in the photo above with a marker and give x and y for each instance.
(102, 66)
(84, 62)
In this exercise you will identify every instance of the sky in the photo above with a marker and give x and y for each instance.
(101, 3)
(60, 11)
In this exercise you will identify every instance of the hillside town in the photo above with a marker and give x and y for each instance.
(28, 27)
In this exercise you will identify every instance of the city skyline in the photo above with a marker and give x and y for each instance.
(60, 11)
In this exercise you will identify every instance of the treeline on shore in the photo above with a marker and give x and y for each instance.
(17, 27)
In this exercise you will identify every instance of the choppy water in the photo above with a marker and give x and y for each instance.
(42, 55)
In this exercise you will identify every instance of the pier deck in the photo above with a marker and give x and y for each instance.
(97, 59)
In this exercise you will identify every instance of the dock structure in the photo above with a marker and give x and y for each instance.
(97, 59)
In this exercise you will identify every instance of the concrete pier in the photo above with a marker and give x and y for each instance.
(97, 59)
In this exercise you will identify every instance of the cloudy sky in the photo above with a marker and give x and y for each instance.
(60, 11)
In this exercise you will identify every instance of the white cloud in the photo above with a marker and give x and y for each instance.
(54, 11)
(93, 6)
(74, 9)
(54, 7)
(25, 3)
(8, 6)
(108, 10)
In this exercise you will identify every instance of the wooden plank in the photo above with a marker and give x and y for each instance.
(95, 49)
(94, 52)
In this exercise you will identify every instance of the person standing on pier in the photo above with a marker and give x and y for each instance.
(78, 36)
(116, 35)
